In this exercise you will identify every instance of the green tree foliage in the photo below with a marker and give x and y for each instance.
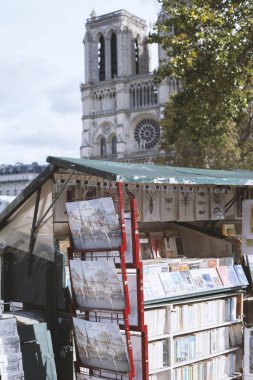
(209, 44)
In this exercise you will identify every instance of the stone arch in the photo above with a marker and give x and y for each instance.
(100, 146)
(112, 144)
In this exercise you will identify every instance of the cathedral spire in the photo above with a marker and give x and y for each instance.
(93, 13)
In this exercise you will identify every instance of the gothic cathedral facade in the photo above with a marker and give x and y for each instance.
(122, 106)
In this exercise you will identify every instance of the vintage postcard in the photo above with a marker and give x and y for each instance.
(101, 346)
(94, 225)
(96, 285)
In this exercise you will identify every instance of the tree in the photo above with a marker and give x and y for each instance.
(209, 47)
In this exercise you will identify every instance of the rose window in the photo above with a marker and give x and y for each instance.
(147, 134)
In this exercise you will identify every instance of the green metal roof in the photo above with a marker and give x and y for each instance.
(156, 174)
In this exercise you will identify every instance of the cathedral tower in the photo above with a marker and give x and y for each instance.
(121, 104)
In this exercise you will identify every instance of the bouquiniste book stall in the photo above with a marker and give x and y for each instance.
(159, 262)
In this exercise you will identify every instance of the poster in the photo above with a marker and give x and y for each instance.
(94, 225)
(168, 203)
(100, 345)
(217, 203)
(186, 204)
(96, 285)
(151, 204)
(202, 203)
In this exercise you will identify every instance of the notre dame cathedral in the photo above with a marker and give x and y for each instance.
(122, 106)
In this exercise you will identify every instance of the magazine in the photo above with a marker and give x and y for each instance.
(168, 283)
(188, 281)
(241, 275)
(228, 276)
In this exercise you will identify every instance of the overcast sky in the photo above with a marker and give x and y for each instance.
(41, 68)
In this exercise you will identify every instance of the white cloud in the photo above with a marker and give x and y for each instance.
(41, 66)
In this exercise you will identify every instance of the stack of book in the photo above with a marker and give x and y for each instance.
(11, 366)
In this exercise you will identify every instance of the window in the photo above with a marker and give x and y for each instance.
(147, 134)
(136, 56)
(103, 147)
(101, 58)
(114, 59)
(114, 145)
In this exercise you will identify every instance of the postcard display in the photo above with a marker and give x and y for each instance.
(101, 296)
(185, 316)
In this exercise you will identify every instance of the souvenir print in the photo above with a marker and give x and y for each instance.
(96, 285)
(202, 203)
(94, 225)
(100, 345)
(168, 203)
(151, 204)
(217, 203)
(186, 204)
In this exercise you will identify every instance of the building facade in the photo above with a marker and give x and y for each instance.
(122, 106)
(14, 178)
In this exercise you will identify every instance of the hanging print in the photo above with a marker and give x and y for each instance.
(217, 204)
(202, 203)
(186, 204)
(94, 225)
(151, 204)
(168, 203)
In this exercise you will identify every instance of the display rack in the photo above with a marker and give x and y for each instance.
(121, 318)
